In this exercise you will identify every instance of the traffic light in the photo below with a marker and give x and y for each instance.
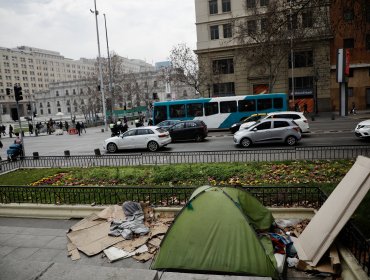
(7, 91)
(18, 93)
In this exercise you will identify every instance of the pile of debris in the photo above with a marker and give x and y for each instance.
(120, 232)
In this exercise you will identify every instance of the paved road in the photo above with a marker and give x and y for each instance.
(322, 131)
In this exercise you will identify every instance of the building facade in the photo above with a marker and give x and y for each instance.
(351, 26)
(291, 42)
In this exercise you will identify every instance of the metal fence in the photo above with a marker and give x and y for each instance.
(145, 158)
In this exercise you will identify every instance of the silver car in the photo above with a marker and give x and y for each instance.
(269, 131)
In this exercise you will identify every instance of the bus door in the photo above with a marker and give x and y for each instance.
(160, 114)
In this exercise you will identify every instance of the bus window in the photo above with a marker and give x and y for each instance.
(278, 103)
(247, 105)
(264, 104)
(194, 110)
(177, 111)
(160, 114)
(227, 106)
(211, 108)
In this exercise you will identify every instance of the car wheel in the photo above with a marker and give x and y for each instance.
(112, 148)
(198, 138)
(291, 140)
(245, 142)
(153, 146)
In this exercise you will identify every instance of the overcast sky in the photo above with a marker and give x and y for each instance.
(142, 29)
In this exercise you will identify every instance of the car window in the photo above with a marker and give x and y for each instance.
(178, 126)
(191, 124)
(264, 125)
(278, 124)
(144, 131)
(160, 130)
(129, 133)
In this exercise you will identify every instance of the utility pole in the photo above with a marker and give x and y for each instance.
(291, 52)
(110, 69)
(100, 67)
(18, 96)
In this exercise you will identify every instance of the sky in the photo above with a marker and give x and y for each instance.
(137, 29)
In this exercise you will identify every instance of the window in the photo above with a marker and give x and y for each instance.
(367, 42)
(278, 103)
(49, 111)
(252, 26)
(278, 124)
(57, 93)
(177, 111)
(301, 83)
(214, 32)
(179, 126)
(367, 12)
(247, 105)
(264, 24)
(264, 125)
(210, 108)
(67, 92)
(213, 9)
(227, 30)
(307, 19)
(223, 66)
(251, 4)
(40, 105)
(264, 3)
(194, 110)
(350, 74)
(292, 22)
(228, 107)
(348, 14)
(224, 89)
(350, 92)
(264, 104)
(144, 131)
(349, 43)
(226, 6)
(160, 114)
(301, 59)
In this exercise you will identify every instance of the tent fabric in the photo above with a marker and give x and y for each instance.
(215, 232)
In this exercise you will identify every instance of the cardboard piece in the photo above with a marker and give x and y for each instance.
(115, 254)
(131, 245)
(89, 221)
(75, 255)
(158, 229)
(113, 212)
(94, 239)
(320, 233)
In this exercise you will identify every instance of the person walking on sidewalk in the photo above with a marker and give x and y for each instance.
(78, 127)
(10, 131)
(83, 127)
(353, 110)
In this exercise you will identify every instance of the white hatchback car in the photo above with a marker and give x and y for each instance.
(298, 118)
(362, 129)
(149, 137)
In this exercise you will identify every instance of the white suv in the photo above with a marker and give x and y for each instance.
(298, 118)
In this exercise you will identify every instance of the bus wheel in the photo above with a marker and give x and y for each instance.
(245, 142)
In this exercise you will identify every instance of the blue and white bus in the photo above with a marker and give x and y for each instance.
(219, 112)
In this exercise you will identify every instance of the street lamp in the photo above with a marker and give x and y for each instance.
(100, 68)
(110, 69)
(316, 78)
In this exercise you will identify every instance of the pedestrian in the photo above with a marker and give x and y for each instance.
(2, 130)
(353, 110)
(305, 108)
(30, 128)
(1, 146)
(83, 127)
(17, 140)
(60, 125)
(66, 125)
(10, 131)
(150, 122)
(78, 127)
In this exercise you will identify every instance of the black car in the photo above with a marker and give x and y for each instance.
(167, 124)
(189, 130)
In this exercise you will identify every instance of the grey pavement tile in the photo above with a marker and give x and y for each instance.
(59, 242)
(21, 270)
(44, 255)
(28, 241)
(44, 231)
(5, 236)
(8, 229)
(21, 253)
(62, 257)
(5, 250)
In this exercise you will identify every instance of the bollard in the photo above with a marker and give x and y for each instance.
(102, 130)
(97, 152)
(35, 155)
(312, 118)
(67, 153)
(333, 116)
(36, 132)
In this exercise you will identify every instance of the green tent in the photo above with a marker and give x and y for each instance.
(216, 232)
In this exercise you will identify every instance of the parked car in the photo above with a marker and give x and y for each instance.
(362, 129)
(189, 130)
(144, 137)
(251, 120)
(167, 123)
(298, 118)
(269, 131)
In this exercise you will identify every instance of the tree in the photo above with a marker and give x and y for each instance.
(185, 65)
(266, 35)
